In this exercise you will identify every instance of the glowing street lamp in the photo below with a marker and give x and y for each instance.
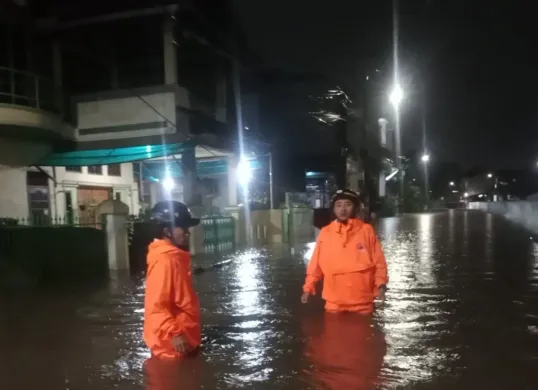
(490, 175)
(396, 96)
(168, 183)
(451, 184)
(425, 158)
(466, 195)
(244, 172)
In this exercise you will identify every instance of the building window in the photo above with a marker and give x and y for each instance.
(71, 168)
(114, 170)
(95, 169)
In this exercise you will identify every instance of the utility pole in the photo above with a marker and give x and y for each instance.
(271, 195)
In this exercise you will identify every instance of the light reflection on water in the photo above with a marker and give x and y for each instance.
(461, 312)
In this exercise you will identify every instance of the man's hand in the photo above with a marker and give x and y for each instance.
(304, 297)
(382, 290)
(181, 344)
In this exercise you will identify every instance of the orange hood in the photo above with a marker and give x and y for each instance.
(161, 247)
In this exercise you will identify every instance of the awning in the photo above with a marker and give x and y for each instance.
(156, 170)
(114, 156)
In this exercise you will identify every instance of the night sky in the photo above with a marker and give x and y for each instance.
(474, 59)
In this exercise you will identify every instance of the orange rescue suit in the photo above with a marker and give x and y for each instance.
(171, 305)
(349, 259)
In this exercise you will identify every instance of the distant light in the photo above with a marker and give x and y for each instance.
(168, 183)
(367, 77)
(455, 191)
(466, 195)
(310, 173)
(451, 184)
(481, 195)
(490, 175)
(246, 128)
(396, 96)
(244, 172)
(425, 158)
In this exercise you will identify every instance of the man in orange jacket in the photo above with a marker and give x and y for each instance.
(349, 259)
(172, 310)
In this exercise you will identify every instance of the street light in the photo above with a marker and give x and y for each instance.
(490, 175)
(451, 184)
(168, 183)
(425, 158)
(396, 96)
(244, 172)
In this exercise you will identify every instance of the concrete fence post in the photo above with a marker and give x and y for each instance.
(114, 215)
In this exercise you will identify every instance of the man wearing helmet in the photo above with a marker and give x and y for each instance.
(349, 259)
(172, 310)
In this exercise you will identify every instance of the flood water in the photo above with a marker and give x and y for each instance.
(461, 313)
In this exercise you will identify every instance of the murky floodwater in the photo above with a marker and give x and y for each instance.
(461, 313)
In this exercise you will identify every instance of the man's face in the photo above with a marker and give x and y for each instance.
(180, 237)
(343, 209)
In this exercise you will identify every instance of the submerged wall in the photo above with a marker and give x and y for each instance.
(522, 212)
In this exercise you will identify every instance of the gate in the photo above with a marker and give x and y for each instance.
(298, 224)
(219, 234)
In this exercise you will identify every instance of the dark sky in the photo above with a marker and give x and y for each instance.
(475, 61)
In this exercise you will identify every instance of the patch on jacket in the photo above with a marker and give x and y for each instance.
(361, 247)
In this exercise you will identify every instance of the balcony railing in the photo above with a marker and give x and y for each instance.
(30, 90)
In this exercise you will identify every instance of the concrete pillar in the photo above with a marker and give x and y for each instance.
(232, 180)
(170, 51)
(114, 214)
(188, 162)
(221, 95)
(196, 239)
(382, 185)
(382, 131)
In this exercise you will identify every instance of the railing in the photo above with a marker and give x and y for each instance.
(30, 90)
(37, 219)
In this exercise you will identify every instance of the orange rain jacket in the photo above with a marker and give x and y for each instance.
(171, 305)
(351, 263)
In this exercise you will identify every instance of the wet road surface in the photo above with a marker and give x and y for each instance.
(461, 313)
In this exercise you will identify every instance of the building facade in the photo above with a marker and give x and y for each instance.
(74, 81)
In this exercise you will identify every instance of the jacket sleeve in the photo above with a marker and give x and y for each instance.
(313, 271)
(160, 298)
(381, 274)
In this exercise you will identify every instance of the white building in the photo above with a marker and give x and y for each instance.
(68, 194)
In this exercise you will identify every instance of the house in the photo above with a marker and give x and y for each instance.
(41, 195)
(101, 104)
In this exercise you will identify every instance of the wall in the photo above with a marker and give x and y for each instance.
(135, 113)
(46, 254)
(522, 212)
(13, 198)
(27, 117)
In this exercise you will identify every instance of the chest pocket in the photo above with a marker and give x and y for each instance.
(338, 258)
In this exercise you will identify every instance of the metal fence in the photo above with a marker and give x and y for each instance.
(30, 90)
(40, 220)
(219, 234)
